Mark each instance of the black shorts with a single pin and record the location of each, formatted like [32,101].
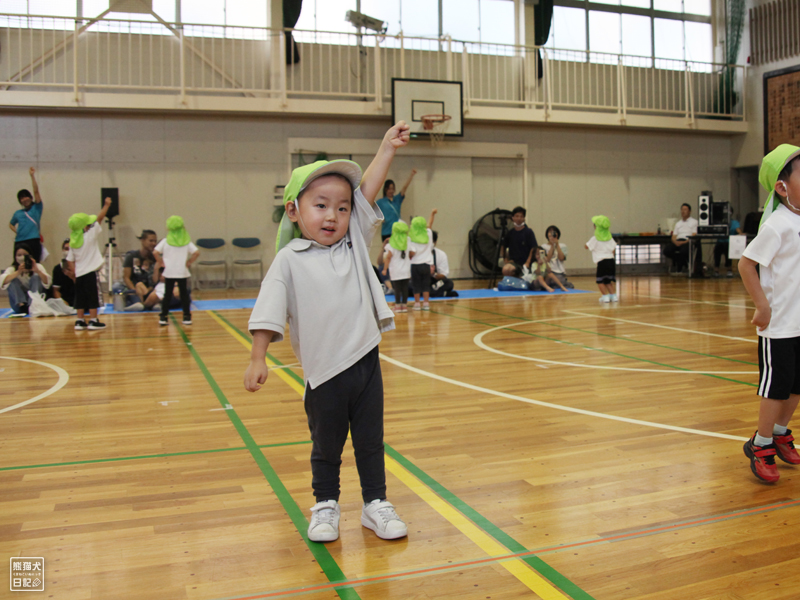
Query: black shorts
[87,292]
[606,271]
[421,278]
[778,367]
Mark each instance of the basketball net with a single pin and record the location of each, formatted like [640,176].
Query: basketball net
[436,126]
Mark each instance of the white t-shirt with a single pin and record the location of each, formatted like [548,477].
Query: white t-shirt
[87,258]
[442,264]
[556,265]
[325,294]
[777,249]
[601,250]
[24,279]
[423,252]
[175,258]
[399,267]
[683,229]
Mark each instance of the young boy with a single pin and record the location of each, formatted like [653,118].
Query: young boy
[85,260]
[175,254]
[603,249]
[776,295]
[324,284]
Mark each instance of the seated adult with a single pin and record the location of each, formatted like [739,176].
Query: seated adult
[519,245]
[678,248]
[26,221]
[721,248]
[63,285]
[137,274]
[441,285]
[556,254]
[23,276]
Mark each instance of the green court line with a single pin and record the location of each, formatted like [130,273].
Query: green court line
[544,337]
[319,551]
[485,524]
[143,456]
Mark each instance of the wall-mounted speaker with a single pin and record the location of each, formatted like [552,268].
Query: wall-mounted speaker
[112,193]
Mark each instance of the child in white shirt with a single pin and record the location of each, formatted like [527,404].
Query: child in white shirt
[420,249]
[603,249]
[398,264]
[175,254]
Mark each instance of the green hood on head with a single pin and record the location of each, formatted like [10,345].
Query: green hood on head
[301,178]
[176,232]
[76,224]
[601,228]
[399,239]
[771,167]
[419,230]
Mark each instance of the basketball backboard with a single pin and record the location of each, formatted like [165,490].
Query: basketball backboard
[414,98]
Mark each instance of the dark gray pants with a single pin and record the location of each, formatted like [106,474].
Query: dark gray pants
[353,400]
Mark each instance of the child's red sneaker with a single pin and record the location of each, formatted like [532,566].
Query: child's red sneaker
[762,461]
[784,447]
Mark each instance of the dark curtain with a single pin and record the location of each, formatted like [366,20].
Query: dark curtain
[291,13]
[542,19]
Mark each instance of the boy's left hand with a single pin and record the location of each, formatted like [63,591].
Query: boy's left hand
[398,136]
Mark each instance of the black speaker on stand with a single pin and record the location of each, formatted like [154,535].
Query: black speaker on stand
[113,211]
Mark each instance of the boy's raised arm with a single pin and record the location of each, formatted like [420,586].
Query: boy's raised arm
[376,172]
[102,214]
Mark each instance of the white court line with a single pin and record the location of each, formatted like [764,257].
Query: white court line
[579,411]
[63,378]
[8,312]
[684,300]
[478,341]
[693,331]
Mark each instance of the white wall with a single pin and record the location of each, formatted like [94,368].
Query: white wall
[219,172]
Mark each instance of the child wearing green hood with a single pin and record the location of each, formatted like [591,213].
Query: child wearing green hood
[603,249]
[398,264]
[85,260]
[420,249]
[322,282]
[175,254]
[775,290]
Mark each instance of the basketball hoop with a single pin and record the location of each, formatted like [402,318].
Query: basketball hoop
[436,126]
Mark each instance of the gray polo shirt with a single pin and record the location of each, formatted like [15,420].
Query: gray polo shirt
[336,312]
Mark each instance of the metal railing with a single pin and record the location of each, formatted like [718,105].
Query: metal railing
[112,55]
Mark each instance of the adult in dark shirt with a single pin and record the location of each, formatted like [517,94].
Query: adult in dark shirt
[63,285]
[137,273]
[519,245]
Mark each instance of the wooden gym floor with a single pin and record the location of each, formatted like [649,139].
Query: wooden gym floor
[538,447]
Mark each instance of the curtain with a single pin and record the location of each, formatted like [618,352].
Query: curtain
[291,14]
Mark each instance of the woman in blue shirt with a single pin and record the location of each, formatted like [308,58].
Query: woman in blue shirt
[390,205]
[26,221]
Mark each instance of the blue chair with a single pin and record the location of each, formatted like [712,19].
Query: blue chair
[246,244]
[211,244]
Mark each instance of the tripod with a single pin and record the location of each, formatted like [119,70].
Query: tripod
[109,255]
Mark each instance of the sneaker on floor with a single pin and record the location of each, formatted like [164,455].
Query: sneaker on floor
[187,321]
[762,461]
[95,325]
[135,307]
[81,325]
[417,306]
[605,299]
[784,448]
[614,298]
[426,306]
[324,525]
[379,515]
[163,321]
[730,273]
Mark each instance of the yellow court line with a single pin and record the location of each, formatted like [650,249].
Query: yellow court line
[480,538]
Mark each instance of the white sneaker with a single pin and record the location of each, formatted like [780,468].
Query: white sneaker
[605,299]
[324,526]
[135,307]
[614,298]
[379,515]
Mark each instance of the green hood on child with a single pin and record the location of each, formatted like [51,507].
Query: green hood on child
[601,228]
[399,239]
[771,167]
[419,230]
[76,224]
[176,232]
